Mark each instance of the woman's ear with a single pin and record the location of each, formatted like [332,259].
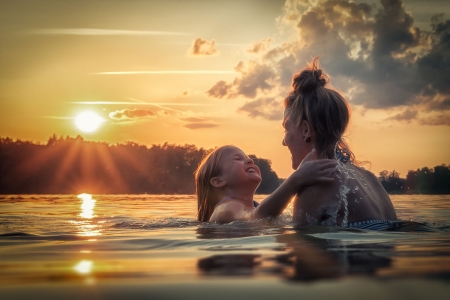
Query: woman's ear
[306,129]
[217,182]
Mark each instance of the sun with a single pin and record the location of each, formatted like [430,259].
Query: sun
[88,121]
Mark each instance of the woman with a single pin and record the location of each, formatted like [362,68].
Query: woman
[316,117]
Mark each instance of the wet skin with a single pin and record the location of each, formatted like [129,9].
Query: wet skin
[355,194]
[324,204]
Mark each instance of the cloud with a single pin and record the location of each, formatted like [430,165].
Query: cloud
[406,116]
[374,54]
[439,105]
[266,108]
[220,89]
[434,67]
[96,31]
[200,125]
[254,77]
[192,119]
[203,47]
[259,46]
[436,120]
[131,114]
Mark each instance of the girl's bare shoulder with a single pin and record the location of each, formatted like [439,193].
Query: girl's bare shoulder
[230,210]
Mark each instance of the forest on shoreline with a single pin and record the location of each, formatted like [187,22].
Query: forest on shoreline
[422,181]
[72,165]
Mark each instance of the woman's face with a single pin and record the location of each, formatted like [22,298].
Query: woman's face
[293,139]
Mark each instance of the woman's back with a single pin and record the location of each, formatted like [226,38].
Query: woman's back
[356,195]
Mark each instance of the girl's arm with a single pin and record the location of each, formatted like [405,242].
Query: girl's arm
[309,172]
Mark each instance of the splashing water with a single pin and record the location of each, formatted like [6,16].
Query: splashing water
[343,191]
[347,173]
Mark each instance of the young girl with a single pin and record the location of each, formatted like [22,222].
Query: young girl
[226,180]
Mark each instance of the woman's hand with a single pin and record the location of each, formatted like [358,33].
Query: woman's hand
[313,170]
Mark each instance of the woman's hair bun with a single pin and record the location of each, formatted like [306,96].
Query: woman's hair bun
[310,78]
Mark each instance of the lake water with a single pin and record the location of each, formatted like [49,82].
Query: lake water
[151,247]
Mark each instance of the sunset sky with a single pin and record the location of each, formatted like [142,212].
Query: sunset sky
[211,73]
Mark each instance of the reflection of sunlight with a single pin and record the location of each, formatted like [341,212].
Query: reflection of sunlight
[83,267]
[87,207]
[87,226]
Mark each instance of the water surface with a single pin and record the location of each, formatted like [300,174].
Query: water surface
[150,246]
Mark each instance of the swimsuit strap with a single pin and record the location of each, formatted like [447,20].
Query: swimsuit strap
[373,225]
[342,155]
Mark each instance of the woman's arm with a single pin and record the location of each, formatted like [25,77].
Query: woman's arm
[309,172]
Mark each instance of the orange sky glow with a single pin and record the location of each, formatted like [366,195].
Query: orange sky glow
[212,73]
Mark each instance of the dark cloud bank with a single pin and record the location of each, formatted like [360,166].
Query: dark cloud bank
[374,54]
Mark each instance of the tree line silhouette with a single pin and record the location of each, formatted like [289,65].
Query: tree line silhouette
[73,165]
[421,181]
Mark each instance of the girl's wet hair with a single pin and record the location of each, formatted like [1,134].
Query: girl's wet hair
[325,109]
[208,168]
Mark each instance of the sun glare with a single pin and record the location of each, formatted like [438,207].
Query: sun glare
[84,267]
[88,121]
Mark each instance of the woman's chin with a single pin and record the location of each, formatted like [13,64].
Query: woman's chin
[295,164]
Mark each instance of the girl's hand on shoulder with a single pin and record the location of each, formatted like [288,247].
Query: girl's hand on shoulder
[313,170]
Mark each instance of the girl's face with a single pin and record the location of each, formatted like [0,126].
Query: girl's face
[237,168]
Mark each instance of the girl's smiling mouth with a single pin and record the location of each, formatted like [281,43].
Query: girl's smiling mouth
[251,170]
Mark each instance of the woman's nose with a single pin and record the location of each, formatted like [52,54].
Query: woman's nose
[283,143]
[250,161]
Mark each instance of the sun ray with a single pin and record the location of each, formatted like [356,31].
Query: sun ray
[30,165]
[67,165]
[108,162]
[87,180]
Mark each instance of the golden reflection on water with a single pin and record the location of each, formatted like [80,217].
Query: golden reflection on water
[87,206]
[87,227]
[84,267]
